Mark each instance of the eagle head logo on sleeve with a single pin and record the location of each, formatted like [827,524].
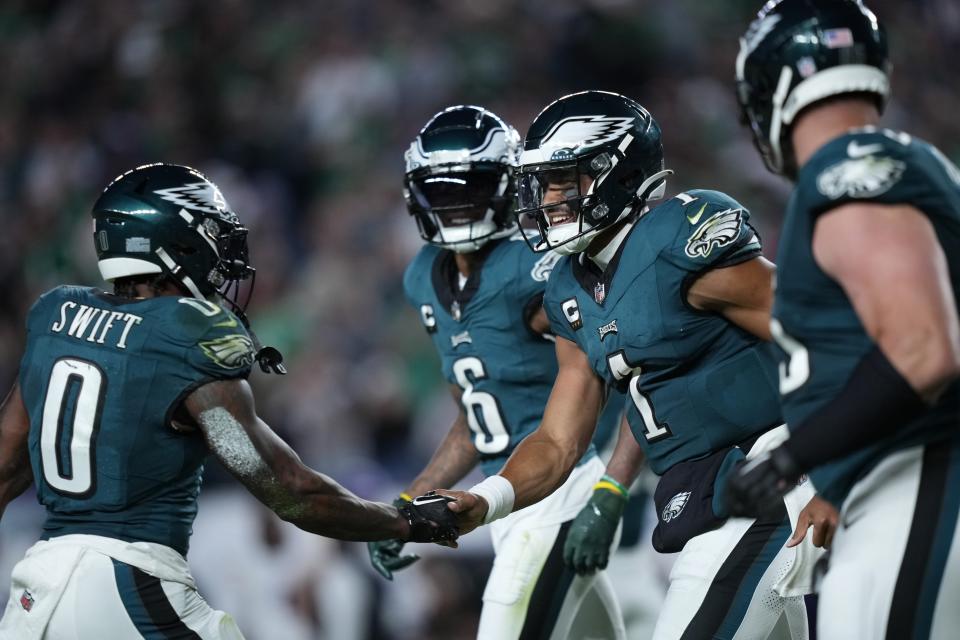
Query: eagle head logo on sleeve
[229,352]
[860,177]
[718,230]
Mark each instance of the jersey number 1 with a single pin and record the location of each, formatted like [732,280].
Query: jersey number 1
[482,409]
[71,417]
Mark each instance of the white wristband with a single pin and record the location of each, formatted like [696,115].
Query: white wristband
[498,492]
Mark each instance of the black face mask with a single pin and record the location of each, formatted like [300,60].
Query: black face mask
[457,198]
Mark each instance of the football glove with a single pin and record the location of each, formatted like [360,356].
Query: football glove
[430,520]
[756,487]
[385,554]
[587,548]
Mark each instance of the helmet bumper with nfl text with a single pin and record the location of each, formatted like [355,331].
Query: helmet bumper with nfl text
[799,52]
[459,184]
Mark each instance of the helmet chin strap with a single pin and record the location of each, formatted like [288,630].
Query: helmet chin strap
[652,188]
[176,272]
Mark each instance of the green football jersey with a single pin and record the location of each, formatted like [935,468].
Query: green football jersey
[695,383]
[482,335]
[100,378]
[821,337]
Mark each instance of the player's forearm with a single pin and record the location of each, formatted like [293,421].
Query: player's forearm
[13,482]
[455,457]
[15,473]
[627,459]
[320,505]
[538,466]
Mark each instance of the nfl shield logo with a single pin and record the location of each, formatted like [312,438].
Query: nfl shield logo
[599,292]
[26,600]
[455,310]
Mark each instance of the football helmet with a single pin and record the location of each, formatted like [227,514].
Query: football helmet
[170,219]
[459,178]
[798,52]
[589,160]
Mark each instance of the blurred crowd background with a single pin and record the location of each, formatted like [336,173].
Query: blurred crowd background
[301,113]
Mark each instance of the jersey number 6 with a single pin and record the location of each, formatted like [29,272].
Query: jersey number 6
[482,409]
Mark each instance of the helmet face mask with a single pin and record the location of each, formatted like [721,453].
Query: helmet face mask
[798,52]
[171,220]
[590,160]
[459,180]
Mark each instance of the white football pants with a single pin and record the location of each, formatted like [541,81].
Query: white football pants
[740,582]
[81,587]
[530,593]
[894,567]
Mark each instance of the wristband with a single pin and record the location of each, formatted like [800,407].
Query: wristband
[498,492]
[875,402]
[611,484]
[405,496]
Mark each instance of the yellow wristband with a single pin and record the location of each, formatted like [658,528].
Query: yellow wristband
[405,496]
[610,486]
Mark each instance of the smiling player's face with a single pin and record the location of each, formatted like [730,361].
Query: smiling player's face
[562,186]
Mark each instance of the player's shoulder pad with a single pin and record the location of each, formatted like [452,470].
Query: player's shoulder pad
[417,275]
[216,339]
[520,269]
[711,228]
[862,165]
[55,296]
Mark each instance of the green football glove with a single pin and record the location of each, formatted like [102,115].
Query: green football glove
[385,554]
[587,547]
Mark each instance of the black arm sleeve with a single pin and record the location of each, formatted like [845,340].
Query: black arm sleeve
[875,402]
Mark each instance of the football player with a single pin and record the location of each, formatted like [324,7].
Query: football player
[120,398]
[669,304]
[866,316]
[478,289]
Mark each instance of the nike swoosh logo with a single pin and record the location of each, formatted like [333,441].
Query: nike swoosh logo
[695,219]
[854,150]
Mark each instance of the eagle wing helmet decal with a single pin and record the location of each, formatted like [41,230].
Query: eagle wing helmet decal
[718,230]
[197,196]
[581,132]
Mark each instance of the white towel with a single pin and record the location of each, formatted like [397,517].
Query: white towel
[798,581]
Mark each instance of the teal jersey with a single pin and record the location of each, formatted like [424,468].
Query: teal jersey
[482,335]
[100,379]
[821,336]
[695,383]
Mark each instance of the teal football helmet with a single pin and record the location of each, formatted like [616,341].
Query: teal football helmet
[170,219]
[589,160]
[459,183]
[798,52]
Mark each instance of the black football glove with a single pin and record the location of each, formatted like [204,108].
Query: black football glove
[756,487]
[385,554]
[430,520]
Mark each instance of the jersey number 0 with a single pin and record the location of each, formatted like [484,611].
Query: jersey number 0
[71,417]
